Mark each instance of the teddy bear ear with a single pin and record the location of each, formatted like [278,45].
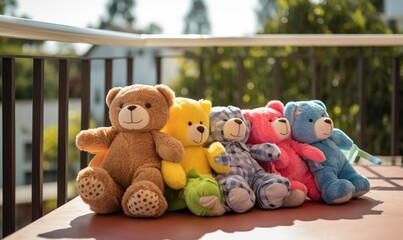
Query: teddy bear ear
[320,103]
[205,104]
[175,108]
[290,111]
[111,95]
[167,92]
[276,105]
[234,109]
[247,114]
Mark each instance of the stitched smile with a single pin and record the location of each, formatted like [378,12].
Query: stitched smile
[201,138]
[132,122]
[286,130]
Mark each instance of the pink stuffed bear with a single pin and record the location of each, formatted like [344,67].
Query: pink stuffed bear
[269,125]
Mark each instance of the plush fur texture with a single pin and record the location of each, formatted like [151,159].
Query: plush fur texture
[191,182]
[247,184]
[337,180]
[128,177]
[269,125]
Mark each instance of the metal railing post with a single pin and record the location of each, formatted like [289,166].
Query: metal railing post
[129,70]
[277,79]
[314,72]
[241,81]
[202,79]
[85,104]
[158,66]
[37,138]
[63,123]
[8,102]
[362,100]
[395,110]
[107,87]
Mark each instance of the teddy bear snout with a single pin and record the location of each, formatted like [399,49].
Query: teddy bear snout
[323,127]
[132,107]
[239,121]
[200,129]
[133,117]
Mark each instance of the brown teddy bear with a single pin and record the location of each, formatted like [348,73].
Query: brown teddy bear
[129,176]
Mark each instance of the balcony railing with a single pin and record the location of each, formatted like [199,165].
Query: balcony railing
[27,29]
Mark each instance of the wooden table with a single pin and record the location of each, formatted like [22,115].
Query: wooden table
[377,215]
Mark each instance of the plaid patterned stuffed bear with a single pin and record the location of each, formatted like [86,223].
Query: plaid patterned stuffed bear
[247,183]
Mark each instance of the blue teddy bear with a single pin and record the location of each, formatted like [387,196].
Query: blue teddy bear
[247,183]
[336,178]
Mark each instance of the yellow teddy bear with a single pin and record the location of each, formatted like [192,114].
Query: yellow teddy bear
[191,183]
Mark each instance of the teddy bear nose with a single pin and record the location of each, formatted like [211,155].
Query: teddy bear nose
[328,121]
[282,120]
[238,121]
[200,129]
[131,108]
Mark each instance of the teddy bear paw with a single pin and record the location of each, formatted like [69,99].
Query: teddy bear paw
[144,203]
[275,195]
[359,194]
[240,200]
[90,188]
[343,199]
[296,198]
[213,204]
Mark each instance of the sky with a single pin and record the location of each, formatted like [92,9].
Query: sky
[227,17]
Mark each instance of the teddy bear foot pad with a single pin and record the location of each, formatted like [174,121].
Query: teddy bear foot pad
[143,203]
[144,199]
[90,188]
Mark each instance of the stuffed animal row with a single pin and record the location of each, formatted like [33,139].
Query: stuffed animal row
[169,153]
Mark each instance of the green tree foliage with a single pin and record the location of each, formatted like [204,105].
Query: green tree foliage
[120,15]
[197,21]
[120,12]
[7,7]
[266,10]
[337,70]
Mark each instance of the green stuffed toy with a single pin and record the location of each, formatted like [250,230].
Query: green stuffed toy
[191,183]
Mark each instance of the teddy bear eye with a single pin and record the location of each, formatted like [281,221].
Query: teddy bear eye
[190,123]
[310,120]
[225,120]
[148,105]
[270,120]
[201,122]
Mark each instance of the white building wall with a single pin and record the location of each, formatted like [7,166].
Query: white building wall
[23,132]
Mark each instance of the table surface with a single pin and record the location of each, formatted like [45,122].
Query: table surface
[377,215]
